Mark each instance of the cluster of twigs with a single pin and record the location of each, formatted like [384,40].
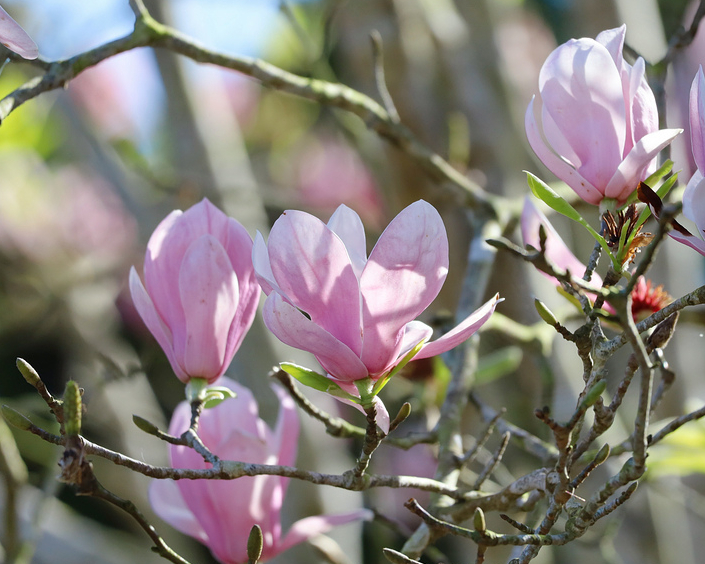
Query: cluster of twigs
[565,463]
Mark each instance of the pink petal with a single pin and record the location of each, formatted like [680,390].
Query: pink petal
[382,418]
[562,169]
[460,333]
[309,527]
[641,103]
[581,89]
[15,38]
[694,201]
[347,225]
[167,502]
[691,241]
[258,498]
[263,269]
[613,41]
[154,323]
[238,414]
[403,275]
[313,269]
[633,168]
[296,330]
[165,251]
[209,296]
[238,246]
[697,119]
[556,250]
[414,333]
[285,439]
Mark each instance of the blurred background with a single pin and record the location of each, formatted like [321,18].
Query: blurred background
[87,173]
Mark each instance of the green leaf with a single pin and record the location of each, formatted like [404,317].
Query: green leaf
[212,399]
[554,201]
[666,168]
[312,379]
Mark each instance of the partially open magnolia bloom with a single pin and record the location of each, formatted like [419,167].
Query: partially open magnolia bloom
[15,38]
[221,513]
[357,314]
[200,293]
[594,123]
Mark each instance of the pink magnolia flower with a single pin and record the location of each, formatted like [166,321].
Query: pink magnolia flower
[356,314]
[595,121]
[201,293]
[220,513]
[15,38]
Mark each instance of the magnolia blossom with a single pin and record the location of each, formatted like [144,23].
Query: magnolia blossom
[15,38]
[595,121]
[356,314]
[200,294]
[221,513]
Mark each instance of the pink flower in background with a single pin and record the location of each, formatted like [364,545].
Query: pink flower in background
[595,121]
[200,294]
[56,217]
[220,513]
[557,251]
[356,314]
[15,38]
[327,162]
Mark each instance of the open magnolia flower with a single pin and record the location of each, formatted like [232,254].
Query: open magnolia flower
[357,314]
[200,294]
[594,123]
[15,38]
[221,513]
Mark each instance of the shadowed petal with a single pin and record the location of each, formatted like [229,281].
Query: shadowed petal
[632,168]
[697,119]
[556,164]
[15,38]
[238,246]
[154,323]
[694,201]
[296,330]
[347,225]
[167,502]
[311,526]
[263,269]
